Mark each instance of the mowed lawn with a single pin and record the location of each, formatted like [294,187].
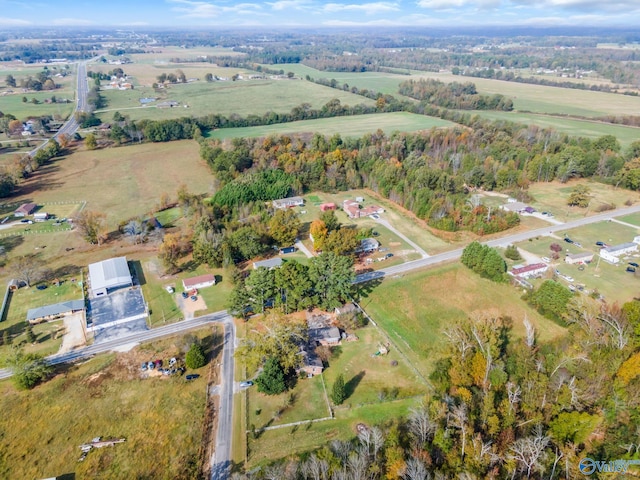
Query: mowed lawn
[243,97]
[552,197]
[579,128]
[120,182]
[416,308]
[352,126]
[160,418]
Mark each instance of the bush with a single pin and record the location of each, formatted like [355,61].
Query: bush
[272,379]
[512,253]
[195,357]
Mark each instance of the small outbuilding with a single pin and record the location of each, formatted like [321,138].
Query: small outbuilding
[41,217]
[201,281]
[325,207]
[269,263]
[25,209]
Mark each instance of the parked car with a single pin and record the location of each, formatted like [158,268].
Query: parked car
[546,259]
[246,383]
[24,220]
[169,289]
[172,361]
[143,367]
[374,233]
[375,216]
[185,295]
[631,269]
[568,278]
[577,244]
[600,244]
[194,298]
[568,240]
[634,264]
[158,363]
[192,376]
[41,287]
[388,255]
[151,365]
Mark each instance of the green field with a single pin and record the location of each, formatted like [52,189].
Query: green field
[552,197]
[243,97]
[582,128]
[161,419]
[633,219]
[352,126]
[415,308]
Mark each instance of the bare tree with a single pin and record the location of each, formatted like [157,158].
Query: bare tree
[90,225]
[416,470]
[616,325]
[420,425]
[315,468]
[458,419]
[513,394]
[377,441]
[530,337]
[529,451]
[27,268]
[274,472]
[358,464]
[341,450]
[135,230]
[459,339]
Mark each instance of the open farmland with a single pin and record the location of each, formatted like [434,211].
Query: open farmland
[352,126]
[160,418]
[243,97]
[579,128]
[413,309]
[121,182]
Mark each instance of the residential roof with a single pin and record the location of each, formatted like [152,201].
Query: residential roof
[56,309]
[369,244]
[193,281]
[515,206]
[26,208]
[622,246]
[529,268]
[580,255]
[269,263]
[324,333]
[346,308]
[110,273]
[288,201]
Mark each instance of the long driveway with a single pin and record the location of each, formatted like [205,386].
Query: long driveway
[416,247]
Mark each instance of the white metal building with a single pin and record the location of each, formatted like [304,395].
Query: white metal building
[109,275]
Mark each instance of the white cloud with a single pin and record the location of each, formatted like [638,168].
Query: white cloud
[444,4]
[14,22]
[368,8]
[290,4]
[71,22]
[198,9]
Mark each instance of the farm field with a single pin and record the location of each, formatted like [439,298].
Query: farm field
[414,309]
[579,128]
[352,126]
[243,97]
[106,397]
[552,197]
[139,173]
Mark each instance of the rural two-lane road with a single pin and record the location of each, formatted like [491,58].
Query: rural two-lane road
[503,241]
[71,125]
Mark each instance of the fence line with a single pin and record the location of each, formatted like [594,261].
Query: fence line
[5,301]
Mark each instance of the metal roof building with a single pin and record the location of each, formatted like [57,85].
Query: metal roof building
[270,263]
[109,275]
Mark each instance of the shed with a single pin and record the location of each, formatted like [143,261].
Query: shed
[582,257]
[41,216]
[25,209]
[201,281]
[109,275]
[325,207]
[286,250]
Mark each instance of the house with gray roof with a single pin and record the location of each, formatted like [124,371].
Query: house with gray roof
[55,311]
[269,263]
[109,275]
[612,254]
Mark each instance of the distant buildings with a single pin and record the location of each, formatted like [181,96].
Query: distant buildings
[354,209]
[288,202]
[584,257]
[25,209]
[529,271]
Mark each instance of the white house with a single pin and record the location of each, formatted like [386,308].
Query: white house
[583,257]
[529,271]
[201,281]
[611,254]
[288,202]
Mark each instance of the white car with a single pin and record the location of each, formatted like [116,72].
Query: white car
[546,259]
[375,216]
[169,289]
[569,279]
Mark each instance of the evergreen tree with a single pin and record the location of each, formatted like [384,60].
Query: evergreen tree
[338,393]
[272,379]
[31,337]
[195,357]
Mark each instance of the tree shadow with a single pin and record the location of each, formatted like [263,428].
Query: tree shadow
[11,242]
[351,385]
[63,271]
[363,290]
[212,345]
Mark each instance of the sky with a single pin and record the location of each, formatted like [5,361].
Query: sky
[335,13]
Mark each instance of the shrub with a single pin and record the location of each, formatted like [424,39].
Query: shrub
[195,357]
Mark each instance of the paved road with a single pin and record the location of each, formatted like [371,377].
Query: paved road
[70,127]
[139,337]
[221,460]
[499,242]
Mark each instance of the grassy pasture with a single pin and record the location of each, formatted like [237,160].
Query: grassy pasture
[552,197]
[138,173]
[414,309]
[352,126]
[243,97]
[634,219]
[583,128]
[161,419]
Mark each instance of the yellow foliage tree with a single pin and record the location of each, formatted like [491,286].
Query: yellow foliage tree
[478,367]
[318,231]
[630,369]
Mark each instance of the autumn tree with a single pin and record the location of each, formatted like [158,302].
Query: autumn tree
[173,247]
[90,141]
[318,231]
[90,224]
[579,196]
[284,227]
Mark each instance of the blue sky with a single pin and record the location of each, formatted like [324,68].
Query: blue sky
[228,13]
